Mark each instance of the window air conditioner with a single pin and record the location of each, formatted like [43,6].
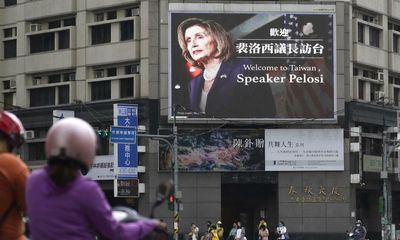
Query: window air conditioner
[13,84]
[135,69]
[379,95]
[380,76]
[36,27]
[36,81]
[99,73]
[135,12]
[29,134]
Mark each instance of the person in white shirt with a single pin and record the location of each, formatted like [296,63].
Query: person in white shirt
[282,231]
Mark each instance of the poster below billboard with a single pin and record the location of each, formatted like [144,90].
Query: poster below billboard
[102,168]
[252,66]
[216,150]
[304,150]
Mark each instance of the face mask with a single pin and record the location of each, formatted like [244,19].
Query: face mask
[358,225]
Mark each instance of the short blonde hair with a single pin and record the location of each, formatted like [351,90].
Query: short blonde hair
[225,48]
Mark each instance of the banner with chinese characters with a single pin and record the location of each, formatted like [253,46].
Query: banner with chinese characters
[267,66]
[216,150]
[304,150]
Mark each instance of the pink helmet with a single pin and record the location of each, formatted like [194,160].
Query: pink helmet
[72,138]
[12,127]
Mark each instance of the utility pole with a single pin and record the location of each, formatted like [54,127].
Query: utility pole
[389,146]
[176,168]
[174,148]
[386,185]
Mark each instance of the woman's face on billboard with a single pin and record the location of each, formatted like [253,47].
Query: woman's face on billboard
[200,44]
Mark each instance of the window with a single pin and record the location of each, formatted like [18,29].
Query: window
[42,96]
[101,34]
[396,40]
[361,89]
[111,72]
[69,22]
[101,90]
[367,18]
[10,3]
[36,151]
[374,88]
[99,73]
[56,78]
[6,84]
[126,30]
[42,42]
[10,48]
[396,98]
[63,94]
[63,39]
[111,15]
[10,32]
[8,101]
[374,36]
[370,74]
[69,77]
[55,24]
[360,33]
[355,71]
[99,17]
[126,87]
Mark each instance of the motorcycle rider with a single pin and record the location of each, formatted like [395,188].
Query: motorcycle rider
[13,175]
[61,203]
[359,231]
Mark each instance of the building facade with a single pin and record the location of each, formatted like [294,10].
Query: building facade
[84,56]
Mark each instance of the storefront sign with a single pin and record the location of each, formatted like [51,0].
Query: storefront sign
[315,194]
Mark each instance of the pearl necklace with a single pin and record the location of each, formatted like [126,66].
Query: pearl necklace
[206,78]
[213,74]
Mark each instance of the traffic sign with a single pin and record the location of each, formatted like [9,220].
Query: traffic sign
[123,135]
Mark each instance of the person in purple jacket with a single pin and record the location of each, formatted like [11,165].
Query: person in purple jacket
[61,203]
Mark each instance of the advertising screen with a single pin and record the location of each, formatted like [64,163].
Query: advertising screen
[252,66]
[304,150]
[221,150]
[217,150]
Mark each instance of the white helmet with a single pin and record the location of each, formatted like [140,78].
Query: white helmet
[73,139]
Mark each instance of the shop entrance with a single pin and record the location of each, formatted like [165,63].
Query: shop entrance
[247,203]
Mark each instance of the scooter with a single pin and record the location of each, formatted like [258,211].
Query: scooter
[126,215]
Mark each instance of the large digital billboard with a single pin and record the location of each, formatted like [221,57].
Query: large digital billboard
[252,66]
